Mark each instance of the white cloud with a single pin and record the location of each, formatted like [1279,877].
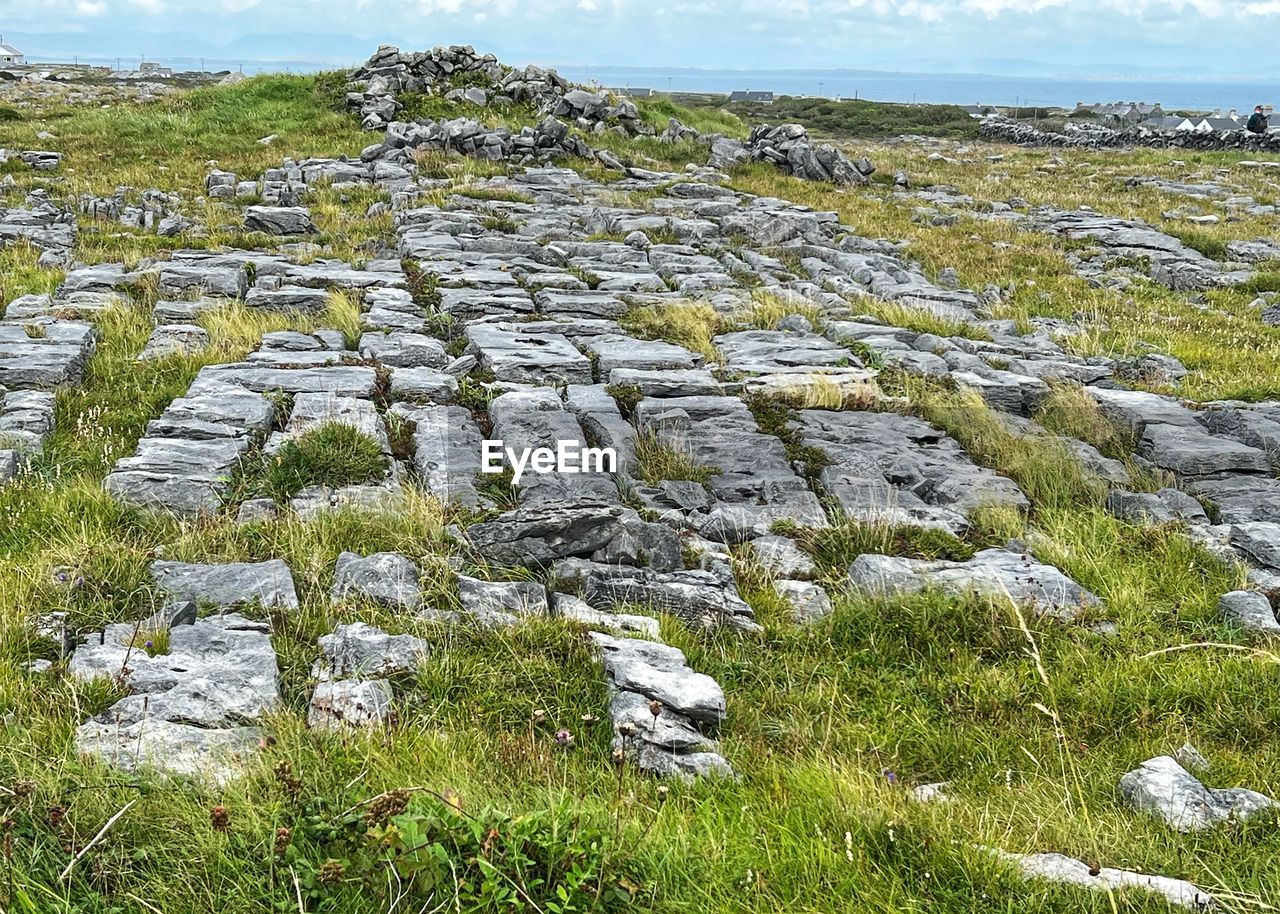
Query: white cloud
[91,7]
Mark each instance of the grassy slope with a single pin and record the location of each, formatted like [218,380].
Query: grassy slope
[1034,722]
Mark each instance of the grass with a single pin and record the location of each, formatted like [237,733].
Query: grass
[829,725]
[685,324]
[332,455]
[1207,244]
[858,119]
[703,118]
[658,461]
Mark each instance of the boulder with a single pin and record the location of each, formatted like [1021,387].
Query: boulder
[1249,610]
[1163,788]
[992,572]
[362,650]
[386,578]
[279,220]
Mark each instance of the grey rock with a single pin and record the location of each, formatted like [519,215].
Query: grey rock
[185,709]
[782,558]
[279,220]
[566,606]
[386,578]
[1059,868]
[698,597]
[265,584]
[1162,507]
[1249,610]
[349,704]
[993,572]
[547,530]
[499,600]
[659,672]
[1163,788]
[808,602]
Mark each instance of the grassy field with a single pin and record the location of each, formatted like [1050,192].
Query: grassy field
[859,119]
[829,725]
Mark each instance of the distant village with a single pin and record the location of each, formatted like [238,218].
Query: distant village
[15,66]
[1154,117]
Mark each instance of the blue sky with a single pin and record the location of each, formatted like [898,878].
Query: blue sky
[1194,38]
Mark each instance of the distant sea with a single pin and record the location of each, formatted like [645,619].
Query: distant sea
[950,88]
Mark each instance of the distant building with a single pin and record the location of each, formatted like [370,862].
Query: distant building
[1218,125]
[154,69]
[762,97]
[1170,123]
[10,56]
[1123,112]
[977,110]
[632,92]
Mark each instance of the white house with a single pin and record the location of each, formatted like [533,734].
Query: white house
[9,55]
[1170,123]
[1218,125]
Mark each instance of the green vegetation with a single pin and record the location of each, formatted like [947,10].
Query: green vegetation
[471,799]
[1206,244]
[701,117]
[659,461]
[689,325]
[855,119]
[332,455]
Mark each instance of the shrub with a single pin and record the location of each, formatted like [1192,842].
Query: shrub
[546,860]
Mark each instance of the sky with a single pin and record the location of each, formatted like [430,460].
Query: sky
[1198,39]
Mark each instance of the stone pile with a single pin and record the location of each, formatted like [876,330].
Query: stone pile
[155,211]
[789,148]
[45,225]
[786,146]
[459,74]
[285,186]
[38,159]
[549,139]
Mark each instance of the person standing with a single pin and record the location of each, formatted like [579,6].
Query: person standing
[1257,121]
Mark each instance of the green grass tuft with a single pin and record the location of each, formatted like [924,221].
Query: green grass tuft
[332,455]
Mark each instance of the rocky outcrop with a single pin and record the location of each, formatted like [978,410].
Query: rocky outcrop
[662,710]
[1066,870]
[789,148]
